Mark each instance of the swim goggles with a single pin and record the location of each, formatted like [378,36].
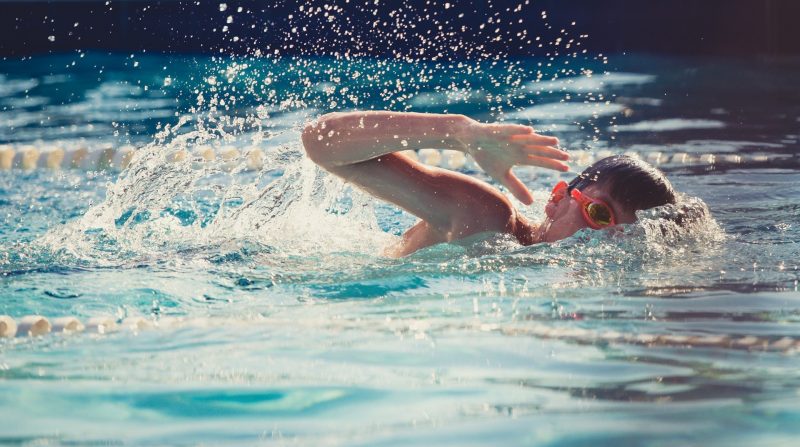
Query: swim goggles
[596,213]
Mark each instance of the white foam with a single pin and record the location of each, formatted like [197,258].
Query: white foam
[594,83]
[443,98]
[566,111]
[670,124]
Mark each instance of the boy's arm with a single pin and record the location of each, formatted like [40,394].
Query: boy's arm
[360,147]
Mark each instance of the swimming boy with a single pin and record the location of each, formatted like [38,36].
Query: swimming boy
[363,149]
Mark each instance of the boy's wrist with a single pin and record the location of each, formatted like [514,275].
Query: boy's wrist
[460,132]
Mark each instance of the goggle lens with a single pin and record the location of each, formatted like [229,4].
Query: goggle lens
[599,213]
[596,212]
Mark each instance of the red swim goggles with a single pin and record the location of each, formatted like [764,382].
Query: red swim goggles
[596,213]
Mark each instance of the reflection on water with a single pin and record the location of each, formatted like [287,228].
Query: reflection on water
[269,314]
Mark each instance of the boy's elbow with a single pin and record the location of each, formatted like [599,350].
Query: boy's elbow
[315,138]
[311,142]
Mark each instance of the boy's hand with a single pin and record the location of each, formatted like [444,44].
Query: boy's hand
[499,147]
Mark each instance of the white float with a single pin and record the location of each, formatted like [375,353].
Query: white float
[122,158]
[205,152]
[101,325]
[8,327]
[33,325]
[67,325]
[74,157]
[254,158]
[26,158]
[410,154]
[431,157]
[454,159]
[6,157]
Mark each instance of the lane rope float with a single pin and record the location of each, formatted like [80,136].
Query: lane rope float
[39,326]
[28,157]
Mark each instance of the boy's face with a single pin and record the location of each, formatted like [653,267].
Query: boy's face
[565,216]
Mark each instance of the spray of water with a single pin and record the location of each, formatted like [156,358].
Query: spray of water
[173,204]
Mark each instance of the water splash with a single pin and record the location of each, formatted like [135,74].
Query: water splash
[159,209]
[174,205]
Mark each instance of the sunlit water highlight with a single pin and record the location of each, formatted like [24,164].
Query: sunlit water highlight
[275,318]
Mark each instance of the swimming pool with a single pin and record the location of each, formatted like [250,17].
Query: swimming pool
[253,306]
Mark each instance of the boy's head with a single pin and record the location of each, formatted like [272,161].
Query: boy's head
[606,193]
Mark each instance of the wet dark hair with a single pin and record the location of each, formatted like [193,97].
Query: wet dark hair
[631,182]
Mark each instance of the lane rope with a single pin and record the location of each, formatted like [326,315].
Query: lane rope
[28,157]
[39,326]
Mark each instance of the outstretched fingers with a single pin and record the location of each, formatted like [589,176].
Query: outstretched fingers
[546,151]
[511,130]
[549,163]
[534,139]
[517,188]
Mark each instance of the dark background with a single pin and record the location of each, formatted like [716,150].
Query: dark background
[697,27]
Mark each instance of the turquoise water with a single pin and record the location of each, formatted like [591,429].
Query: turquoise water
[272,318]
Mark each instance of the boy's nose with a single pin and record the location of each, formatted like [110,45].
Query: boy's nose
[550,209]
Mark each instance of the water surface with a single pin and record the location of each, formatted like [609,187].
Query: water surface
[275,319]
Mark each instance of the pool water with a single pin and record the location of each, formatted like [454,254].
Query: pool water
[266,313]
